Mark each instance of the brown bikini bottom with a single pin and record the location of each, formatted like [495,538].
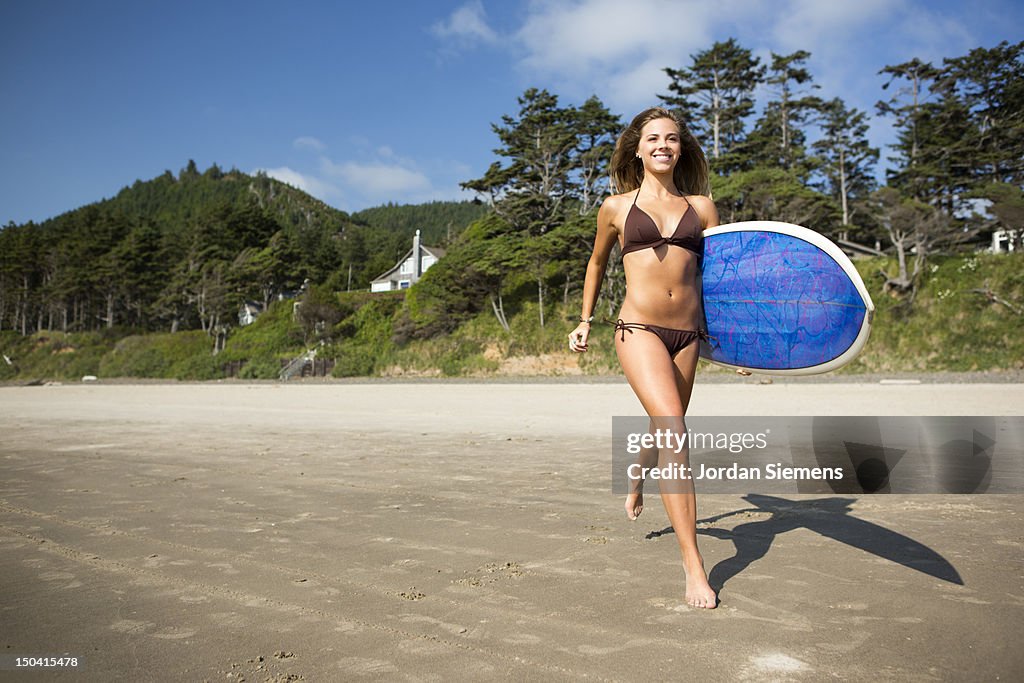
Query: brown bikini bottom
[674,340]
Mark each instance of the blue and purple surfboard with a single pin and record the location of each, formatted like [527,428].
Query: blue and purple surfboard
[780,299]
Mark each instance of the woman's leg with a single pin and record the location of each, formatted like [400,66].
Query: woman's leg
[663,387]
[682,505]
[646,363]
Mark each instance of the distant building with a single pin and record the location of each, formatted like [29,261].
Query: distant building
[247,313]
[409,268]
[250,310]
[1003,241]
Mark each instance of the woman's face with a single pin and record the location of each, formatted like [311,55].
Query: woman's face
[660,145]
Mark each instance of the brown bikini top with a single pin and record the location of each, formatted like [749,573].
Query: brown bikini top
[641,232]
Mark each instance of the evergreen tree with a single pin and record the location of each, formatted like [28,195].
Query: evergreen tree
[716,94]
[990,86]
[778,138]
[533,193]
[766,193]
[942,171]
[848,157]
[530,193]
[596,130]
[905,106]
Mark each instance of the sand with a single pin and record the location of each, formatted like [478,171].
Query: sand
[431,531]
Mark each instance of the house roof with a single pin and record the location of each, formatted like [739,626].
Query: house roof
[436,252]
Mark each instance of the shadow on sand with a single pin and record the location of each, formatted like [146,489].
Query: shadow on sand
[829,517]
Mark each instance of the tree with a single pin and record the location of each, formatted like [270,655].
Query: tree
[906,107]
[787,73]
[915,230]
[847,155]
[722,80]
[265,270]
[778,137]
[989,84]
[766,193]
[942,173]
[596,130]
[471,276]
[140,272]
[531,194]
[317,313]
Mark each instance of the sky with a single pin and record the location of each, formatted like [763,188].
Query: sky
[364,103]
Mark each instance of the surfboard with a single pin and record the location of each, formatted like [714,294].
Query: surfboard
[781,299]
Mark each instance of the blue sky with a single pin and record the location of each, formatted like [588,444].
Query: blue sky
[361,103]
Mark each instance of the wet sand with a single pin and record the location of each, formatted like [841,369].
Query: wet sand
[430,531]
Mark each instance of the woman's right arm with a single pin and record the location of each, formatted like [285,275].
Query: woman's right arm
[607,236]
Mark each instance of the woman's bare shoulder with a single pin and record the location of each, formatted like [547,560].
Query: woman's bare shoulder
[613,207]
[615,201]
[705,208]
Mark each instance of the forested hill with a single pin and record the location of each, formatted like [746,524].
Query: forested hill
[183,251]
[170,201]
[438,222]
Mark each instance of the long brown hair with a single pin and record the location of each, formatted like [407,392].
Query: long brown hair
[627,171]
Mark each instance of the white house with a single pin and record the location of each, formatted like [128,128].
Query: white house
[248,312]
[1003,240]
[409,268]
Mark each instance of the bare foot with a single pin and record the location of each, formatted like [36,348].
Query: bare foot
[698,591]
[634,505]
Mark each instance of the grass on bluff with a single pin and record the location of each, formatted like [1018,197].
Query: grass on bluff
[165,356]
[55,355]
[950,325]
[273,337]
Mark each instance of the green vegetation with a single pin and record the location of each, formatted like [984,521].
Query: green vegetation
[182,253]
[365,345]
[967,316]
[275,336]
[163,355]
[439,223]
[54,355]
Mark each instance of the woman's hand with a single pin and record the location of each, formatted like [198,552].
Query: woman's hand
[578,338]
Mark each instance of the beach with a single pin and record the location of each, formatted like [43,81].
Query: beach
[467,530]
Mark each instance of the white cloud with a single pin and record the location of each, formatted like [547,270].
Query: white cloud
[818,26]
[930,36]
[307,183]
[564,36]
[371,174]
[616,50]
[306,142]
[352,185]
[376,179]
[467,25]
[619,51]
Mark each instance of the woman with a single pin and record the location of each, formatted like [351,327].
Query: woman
[658,221]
